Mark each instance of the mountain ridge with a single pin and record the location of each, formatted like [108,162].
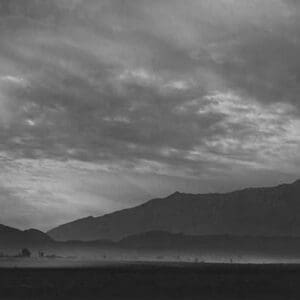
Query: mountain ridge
[263,211]
[10,236]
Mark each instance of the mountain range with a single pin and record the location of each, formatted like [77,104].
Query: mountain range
[12,237]
[153,242]
[267,212]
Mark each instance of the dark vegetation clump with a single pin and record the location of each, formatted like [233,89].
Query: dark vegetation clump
[25,253]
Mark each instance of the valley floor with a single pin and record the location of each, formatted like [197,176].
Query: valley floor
[153,281]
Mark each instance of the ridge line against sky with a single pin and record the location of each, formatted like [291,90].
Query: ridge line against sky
[105,104]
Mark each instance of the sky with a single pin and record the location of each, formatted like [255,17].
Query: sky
[105,104]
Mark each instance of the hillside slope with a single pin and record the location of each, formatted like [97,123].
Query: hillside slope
[12,237]
[271,211]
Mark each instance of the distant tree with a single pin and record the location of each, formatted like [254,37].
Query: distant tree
[25,252]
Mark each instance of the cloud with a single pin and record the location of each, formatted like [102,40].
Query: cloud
[137,70]
[249,133]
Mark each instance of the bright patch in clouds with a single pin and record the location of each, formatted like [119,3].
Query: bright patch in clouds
[255,134]
[14,80]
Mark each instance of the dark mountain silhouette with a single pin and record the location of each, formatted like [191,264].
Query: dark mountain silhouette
[155,243]
[270,211]
[11,237]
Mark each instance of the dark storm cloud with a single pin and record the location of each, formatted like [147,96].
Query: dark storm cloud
[102,75]
[265,66]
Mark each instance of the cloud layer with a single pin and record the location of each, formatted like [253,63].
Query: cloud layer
[194,92]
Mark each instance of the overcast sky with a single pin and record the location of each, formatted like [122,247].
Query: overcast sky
[105,104]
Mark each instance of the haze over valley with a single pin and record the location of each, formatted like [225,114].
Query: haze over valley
[257,225]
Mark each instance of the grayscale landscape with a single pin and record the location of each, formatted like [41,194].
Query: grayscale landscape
[149,149]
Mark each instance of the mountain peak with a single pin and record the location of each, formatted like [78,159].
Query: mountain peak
[175,194]
[297,182]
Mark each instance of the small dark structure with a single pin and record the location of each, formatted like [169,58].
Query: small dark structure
[41,254]
[25,253]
